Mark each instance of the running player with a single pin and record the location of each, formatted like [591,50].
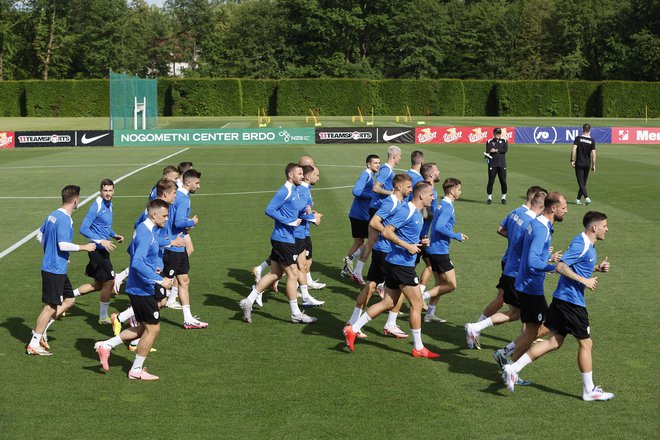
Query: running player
[416,162]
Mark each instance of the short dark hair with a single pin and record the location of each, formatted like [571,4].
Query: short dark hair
[498,130]
[372,157]
[551,200]
[592,217]
[421,187]
[163,186]
[184,166]
[426,169]
[533,190]
[538,199]
[106,182]
[307,169]
[449,183]
[155,204]
[289,168]
[191,174]
[586,127]
[170,169]
[399,178]
[69,193]
[416,157]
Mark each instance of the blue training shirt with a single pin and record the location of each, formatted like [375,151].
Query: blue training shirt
[57,228]
[362,195]
[516,236]
[416,178]
[534,257]
[407,223]
[508,222]
[581,258]
[431,212]
[305,194]
[442,228]
[386,211]
[385,177]
[284,208]
[97,224]
[179,220]
[144,260]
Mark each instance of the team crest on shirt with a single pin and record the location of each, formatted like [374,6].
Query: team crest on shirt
[156,315]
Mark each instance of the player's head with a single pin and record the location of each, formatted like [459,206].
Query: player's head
[294,173]
[71,194]
[394,154]
[452,187]
[555,205]
[306,160]
[171,172]
[166,190]
[497,132]
[403,184]
[537,204]
[191,180]
[596,223]
[373,162]
[533,190]
[586,128]
[430,172]
[107,189]
[183,167]
[311,174]
[157,211]
[423,191]
[417,158]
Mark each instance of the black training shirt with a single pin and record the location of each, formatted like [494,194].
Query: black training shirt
[498,159]
[585,145]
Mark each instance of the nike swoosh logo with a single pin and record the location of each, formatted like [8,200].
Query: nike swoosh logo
[85,140]
[387,138]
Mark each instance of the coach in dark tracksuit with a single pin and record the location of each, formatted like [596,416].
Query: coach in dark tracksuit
[583,157]
[496,148]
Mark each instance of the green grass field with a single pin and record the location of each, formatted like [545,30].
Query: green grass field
[274,379]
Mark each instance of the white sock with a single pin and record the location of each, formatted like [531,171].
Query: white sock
[587,382]
[76,292]
[138,362]
[426,296]
[482,317]
[490,197]
[304,291]
[363,320]
[252,297]
[356,314]
[36,337]
[309,278]
[503,196]
[123,273]
[431,309]
[521,363]
[478,326]
[295,310]
[356,254]
[391,319]
[263,266]
[509,349]
[126,315]
[113,342]
[173,295]
[417,338]
[103,309]
[187,315]
[359,266]
[50,322]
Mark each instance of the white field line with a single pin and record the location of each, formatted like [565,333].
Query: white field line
[28,237]
[205,164]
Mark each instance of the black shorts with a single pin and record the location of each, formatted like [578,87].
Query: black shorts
[422,254]
[441,263]
[400,275]
[100,266]
[308,246]
[533,308]
[175,263]
[54,288]
[359,228]
[372,212]
[567,318]
[510,294]
[378,267]
[300,246]
[145,308]
[283,253]
[161,292]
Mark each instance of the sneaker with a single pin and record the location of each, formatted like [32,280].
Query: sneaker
[132,347]
[315,285]
[522,382]
[195,323]
[357,277]
[597,394]
[345,272]
[394,330]
[470,335]
[303,319]
[430,317]
[586,202]
[424,353]
[116,325]
[310,301]
[380,289]
[509,377]
[578,202]
[105,320]
[39,351]
[500,358]
[247,310]
[256,271]
[361,335]
[260,299]
[350,336]
[274,285]
[44,341]
[489,201]
[504,201]
[119,278]
[175,305]
[104,354]
[141,374]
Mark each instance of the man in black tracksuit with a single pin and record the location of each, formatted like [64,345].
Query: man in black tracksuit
[583,157]
[496,148]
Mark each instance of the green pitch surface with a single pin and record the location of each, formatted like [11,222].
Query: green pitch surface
[275,379]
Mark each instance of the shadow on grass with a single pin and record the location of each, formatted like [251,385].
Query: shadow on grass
[86,348]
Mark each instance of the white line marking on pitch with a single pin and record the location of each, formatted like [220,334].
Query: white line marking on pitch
[88,199]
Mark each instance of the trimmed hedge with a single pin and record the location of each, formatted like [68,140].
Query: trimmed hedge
[628,100]
[206,97]
[479,98]
[12,98]
[442,97]
[532,98]
[585,98]
[329,96]
[258,93]
[67,98]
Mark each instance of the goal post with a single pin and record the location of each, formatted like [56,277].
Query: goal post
[133,102]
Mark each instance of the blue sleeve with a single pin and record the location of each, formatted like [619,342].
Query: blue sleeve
[181,220]
[139,261]
[573,253]
[63,231]
[382,177]
[399,219]
[86,225]
[538,256]
[272,210]
[360,185]
[442,224]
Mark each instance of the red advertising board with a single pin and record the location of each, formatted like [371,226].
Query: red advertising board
[460,135]
[7,139]
[636,135]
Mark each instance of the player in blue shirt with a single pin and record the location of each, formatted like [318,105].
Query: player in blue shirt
[416,162]
[568,311]
[170,172]
[359,212]
[533,267]
[285,209]
[144,283]
[442,232]
[403,232]
[431,175]
[402,184]
[55,236]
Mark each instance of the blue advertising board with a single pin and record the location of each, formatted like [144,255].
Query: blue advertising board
[559,135]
